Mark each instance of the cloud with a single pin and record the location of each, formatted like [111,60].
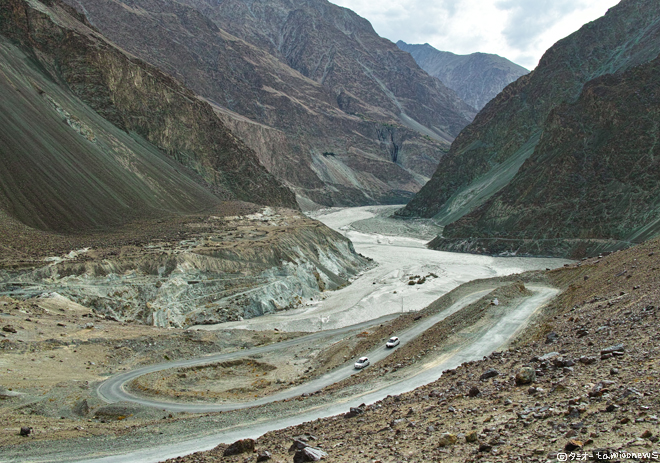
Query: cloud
[520,30]
[528,20]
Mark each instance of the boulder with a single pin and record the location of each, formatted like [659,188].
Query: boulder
[447,439]
[548,356]
[354,411]
[483,447]
[308,454]
[298,444]
[490,373]
[240,446]
[573,445]
[616,349]
[526,375]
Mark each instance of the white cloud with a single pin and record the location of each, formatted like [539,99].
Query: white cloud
[520,30]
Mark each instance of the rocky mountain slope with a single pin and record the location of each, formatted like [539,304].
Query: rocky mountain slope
[122,189]
[477,78]
[342,116]
[199,269]
[577,125]
[93,138]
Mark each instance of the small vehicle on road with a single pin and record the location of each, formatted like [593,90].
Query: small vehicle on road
[361,363]
[393,342]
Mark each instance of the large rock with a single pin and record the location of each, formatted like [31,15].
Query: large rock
[308,454]
[526,375]
[354,411]
[239,447]
[490,373]
[446,439]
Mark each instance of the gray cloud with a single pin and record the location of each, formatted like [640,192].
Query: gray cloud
[520,30]
[529,19]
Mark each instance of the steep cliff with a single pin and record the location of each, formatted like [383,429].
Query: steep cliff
[548,123]
[90,137]
[476,78]
[342,116]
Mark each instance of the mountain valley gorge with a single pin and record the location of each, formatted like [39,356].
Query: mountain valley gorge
[211,209]
[340,115]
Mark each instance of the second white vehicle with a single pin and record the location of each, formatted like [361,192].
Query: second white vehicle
[393,342]
[361,363]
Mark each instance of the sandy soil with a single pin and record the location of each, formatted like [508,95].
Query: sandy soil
[61,350]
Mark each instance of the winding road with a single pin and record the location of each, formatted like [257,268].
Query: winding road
[482,343]
[114,389]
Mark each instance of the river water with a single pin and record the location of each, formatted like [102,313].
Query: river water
[399,250]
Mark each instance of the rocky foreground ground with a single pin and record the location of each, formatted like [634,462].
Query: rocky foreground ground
[579,384]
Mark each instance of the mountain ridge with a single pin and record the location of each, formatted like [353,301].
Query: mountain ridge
[90,136]
[477,78]
[347,133]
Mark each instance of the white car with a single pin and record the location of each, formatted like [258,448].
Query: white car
[393,342]
[361,363]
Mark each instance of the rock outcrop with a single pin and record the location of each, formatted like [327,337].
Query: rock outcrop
[477,78]
[563,161]
[222,269]
[340,115]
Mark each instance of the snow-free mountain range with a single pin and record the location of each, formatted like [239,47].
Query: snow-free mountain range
[177,105]
[477,78]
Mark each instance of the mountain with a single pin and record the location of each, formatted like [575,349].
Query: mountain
[564,160]
[340,115]
[476,78]
[123,190]
[92,137]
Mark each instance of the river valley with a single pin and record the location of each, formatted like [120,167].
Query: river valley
[311,375]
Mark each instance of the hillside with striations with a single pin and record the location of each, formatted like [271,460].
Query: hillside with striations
[93,138]
[477,78]
[340,115]
[563,161]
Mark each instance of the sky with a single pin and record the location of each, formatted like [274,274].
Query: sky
[519,30]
